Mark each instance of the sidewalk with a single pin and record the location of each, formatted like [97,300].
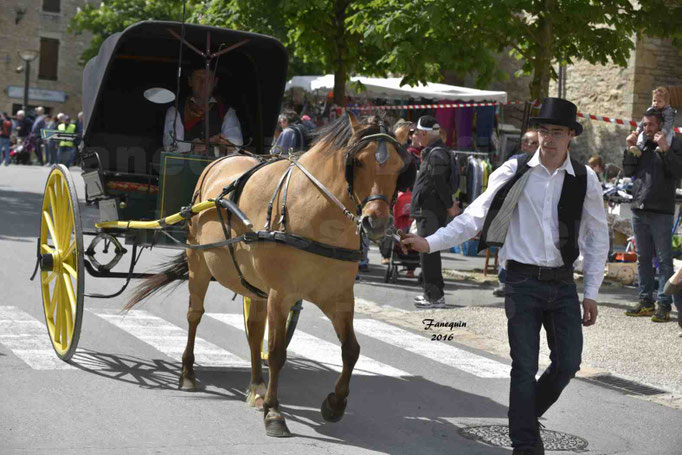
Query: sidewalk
[637,349]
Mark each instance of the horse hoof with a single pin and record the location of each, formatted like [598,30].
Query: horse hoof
[276,426]
[329,413]
[188,384]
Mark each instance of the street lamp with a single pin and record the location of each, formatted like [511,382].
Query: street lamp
[27,56]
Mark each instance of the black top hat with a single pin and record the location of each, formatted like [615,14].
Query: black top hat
[558,111]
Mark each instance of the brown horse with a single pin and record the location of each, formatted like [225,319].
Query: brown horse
[349,157]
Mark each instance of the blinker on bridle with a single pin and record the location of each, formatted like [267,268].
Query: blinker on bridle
[381,155]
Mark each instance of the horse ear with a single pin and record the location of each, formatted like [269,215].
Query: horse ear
[354,123]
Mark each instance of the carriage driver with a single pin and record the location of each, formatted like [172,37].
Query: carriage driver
[224,127]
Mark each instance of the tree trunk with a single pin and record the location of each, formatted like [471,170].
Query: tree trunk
[340,71]
[542,62]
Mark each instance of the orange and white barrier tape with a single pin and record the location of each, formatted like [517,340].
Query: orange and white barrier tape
[617,121]
[429,106]
[601,118]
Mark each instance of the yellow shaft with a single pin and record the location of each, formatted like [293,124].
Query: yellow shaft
[156,224]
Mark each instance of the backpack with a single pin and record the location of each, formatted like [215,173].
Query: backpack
[454,169]
[6,128]
[303,136]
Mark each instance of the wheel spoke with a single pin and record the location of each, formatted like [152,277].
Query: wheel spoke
[48,279]
[70,269]
[67,224]
[53,203]
[50,227]
[69,250]
[69,310]
[59,320]
[53,301]
[45,248]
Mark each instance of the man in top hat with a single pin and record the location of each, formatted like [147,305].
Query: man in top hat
[546,209]
[224,129]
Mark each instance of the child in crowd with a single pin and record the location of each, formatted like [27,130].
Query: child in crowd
[660,102]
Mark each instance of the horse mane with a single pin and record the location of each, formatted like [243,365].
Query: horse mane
[339,135]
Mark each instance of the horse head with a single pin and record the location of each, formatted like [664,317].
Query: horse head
[377,167]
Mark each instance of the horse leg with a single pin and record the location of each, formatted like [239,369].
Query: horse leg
[334,406]
[275,424]
[256,326]
[199,279]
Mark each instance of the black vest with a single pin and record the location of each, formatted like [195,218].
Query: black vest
[215,122]
[570,208]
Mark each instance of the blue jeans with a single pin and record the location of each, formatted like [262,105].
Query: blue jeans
[501,274]
[364,246]
[653,232]
[66,155]
[4,150]
[530,304]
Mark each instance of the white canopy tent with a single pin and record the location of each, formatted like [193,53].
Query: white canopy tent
[390,88]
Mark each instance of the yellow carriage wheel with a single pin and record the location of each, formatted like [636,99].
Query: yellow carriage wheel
[61,262]
[292,320]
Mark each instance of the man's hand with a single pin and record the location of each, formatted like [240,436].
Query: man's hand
[631,139]
[589,312]
[659,138]
[455,209]
[415,243]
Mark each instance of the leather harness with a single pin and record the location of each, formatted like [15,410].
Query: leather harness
[234,191]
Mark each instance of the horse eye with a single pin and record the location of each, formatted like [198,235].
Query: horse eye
[357,162]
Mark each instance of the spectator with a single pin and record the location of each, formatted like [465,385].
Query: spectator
[437,181]
[529,145]
[36,139]
[661,103]
[655,176]
[596,162]
[295,137]
[403,131]
[67,149]
[52,123]
[538,253]
[5,137]
[23,125]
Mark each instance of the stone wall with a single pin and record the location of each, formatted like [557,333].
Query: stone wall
[34,24]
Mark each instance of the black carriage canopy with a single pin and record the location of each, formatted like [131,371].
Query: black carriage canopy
[118,119]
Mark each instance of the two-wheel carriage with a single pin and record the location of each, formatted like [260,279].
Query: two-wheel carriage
[128,174]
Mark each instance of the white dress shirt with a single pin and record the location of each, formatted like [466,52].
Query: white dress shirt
[231,129]
[533,235]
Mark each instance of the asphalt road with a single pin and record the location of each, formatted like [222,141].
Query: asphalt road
[119,395]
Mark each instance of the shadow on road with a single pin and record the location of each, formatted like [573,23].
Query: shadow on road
[20,214]
[384,414]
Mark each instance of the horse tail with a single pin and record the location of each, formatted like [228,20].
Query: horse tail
[175,270]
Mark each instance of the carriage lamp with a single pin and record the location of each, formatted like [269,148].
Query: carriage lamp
[27,56]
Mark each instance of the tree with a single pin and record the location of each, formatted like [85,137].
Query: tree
[540,32]
[113,16]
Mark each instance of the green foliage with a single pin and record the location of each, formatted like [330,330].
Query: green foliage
[113,16]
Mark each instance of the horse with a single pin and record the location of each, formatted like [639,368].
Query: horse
[360,165]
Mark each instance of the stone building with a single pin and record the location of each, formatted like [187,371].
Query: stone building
[55,75]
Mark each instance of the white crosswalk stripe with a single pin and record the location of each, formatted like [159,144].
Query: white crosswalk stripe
[449,355]
[320,351]
[28,339]
[169,338]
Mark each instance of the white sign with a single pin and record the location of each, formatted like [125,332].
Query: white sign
[37,94]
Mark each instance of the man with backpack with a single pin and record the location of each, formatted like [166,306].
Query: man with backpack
[296,135]
[5,134]
[437,181]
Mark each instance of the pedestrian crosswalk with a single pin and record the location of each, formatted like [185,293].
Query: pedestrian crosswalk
[27,339]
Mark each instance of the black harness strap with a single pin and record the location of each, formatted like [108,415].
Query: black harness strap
[283,217]
[274,196]
[305,244]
